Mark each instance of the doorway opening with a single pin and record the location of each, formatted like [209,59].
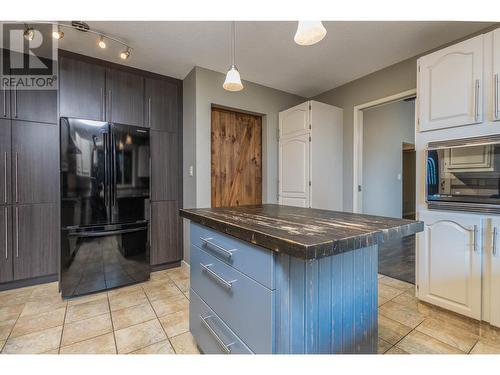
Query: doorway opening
[236,158]
[385,174]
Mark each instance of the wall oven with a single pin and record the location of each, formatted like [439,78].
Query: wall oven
[464,174]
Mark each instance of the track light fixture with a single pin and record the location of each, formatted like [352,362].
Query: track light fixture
[101,43]
[29,33]
[124,55]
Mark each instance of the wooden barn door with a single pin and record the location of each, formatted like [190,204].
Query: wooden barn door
[236,158]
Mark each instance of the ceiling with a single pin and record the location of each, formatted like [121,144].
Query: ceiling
[265,51]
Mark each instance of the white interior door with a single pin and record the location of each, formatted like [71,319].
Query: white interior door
[450,86]
[449,252]
[294,168]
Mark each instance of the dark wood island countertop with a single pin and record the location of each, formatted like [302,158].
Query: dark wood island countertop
[304,233]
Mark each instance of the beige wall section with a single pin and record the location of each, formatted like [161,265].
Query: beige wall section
[202,88]
[388,81]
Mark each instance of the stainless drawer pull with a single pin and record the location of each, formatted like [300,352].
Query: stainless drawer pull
[494,249]
[220,249]
[220,279]
[224,346]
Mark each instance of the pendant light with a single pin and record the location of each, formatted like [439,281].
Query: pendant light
[233,80]
[309,33]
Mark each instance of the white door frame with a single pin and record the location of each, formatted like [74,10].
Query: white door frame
[357,147]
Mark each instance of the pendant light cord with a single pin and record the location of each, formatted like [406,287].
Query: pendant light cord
[234,42]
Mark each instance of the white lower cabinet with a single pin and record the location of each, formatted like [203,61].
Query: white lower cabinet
[449,261]
[491,271]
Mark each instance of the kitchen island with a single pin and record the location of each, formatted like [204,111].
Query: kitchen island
[282,279]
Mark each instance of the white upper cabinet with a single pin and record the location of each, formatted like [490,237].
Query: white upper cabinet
[294,120]
[450,86]
[449,262]
[496,75]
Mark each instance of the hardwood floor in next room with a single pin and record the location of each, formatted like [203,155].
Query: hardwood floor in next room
[152,318]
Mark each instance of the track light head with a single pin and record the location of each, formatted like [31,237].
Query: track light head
[29,33]
[124,55]
[101,42]
[58,35]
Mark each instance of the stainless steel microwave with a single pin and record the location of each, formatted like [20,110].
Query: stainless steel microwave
[464,174]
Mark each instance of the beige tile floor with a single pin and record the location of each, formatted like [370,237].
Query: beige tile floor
[152,318]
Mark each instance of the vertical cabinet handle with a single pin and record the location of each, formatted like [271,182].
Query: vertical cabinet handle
[4,101]
[17,232]
[6,233]
[149,112]
[15,102]
[102,104]
[496,97]
[494,245]
[476,100]
[474,233]
[5,177]
[109,106]
[17,168]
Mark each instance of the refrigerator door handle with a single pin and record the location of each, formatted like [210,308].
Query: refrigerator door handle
[106,232]
[105,187]
[113,140]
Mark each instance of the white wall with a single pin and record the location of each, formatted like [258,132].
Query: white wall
[202,88]
[385,128]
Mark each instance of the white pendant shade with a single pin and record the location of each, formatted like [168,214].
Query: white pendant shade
[309,33]
[233,80]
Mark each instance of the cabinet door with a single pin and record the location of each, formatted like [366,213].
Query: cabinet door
[5,106]
[34,105]
[81,86]
[5,244]
[496,75]
[35,242]
[5,161]
[165,228]
[450,86]
[164,166]
[492,271]
[162,105]
[35,154]
[449,262]
[294,166]
[125,97]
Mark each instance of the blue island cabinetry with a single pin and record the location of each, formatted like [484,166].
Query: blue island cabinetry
[249,299]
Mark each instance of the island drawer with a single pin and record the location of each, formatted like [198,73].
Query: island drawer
[210,332]
[243,304]
[253,261]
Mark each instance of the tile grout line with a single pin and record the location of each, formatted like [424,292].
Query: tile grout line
[112,325]
[62,330]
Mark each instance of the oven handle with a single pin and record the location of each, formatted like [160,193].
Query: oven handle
[106,233]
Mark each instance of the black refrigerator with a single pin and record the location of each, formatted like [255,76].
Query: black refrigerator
[105,178]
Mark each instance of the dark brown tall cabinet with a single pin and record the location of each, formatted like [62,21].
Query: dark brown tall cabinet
[162,114]
[29,185]
[98,90]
